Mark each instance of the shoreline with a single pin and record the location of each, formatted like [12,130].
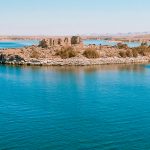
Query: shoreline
[78,61]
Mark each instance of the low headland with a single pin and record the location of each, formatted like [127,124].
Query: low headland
[70,51]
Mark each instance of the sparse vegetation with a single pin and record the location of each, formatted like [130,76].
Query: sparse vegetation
[122,54]
[135,53]
[142,50]
[129,53]
[67,52]
[122,46]
[91,53]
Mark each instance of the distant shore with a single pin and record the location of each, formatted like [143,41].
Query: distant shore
[132,37]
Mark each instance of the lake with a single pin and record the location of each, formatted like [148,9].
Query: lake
[23,43]
[110,43]
[17,43]
[75,108]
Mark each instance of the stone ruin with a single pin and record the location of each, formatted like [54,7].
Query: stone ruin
[65,41]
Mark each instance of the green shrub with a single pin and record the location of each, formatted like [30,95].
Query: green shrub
[91,53]
[66,52]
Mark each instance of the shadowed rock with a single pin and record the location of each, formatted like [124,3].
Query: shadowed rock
[10,58]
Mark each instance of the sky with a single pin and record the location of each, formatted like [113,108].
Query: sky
[70,17]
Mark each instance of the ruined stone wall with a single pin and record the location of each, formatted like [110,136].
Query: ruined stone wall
[67,41]
[75,40]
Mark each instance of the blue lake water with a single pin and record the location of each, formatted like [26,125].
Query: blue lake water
[23,43]
[75,108]
[110,43]
[17,43]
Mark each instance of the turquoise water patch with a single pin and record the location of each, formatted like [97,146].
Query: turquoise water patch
[17,43]
[99,42]
[110,43]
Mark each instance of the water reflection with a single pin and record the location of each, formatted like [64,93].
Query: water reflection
[85,69]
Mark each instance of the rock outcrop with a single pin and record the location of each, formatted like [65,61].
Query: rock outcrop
[10,58]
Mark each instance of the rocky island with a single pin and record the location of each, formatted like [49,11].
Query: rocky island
[71,51]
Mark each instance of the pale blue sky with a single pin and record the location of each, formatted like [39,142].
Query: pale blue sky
[64,17]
